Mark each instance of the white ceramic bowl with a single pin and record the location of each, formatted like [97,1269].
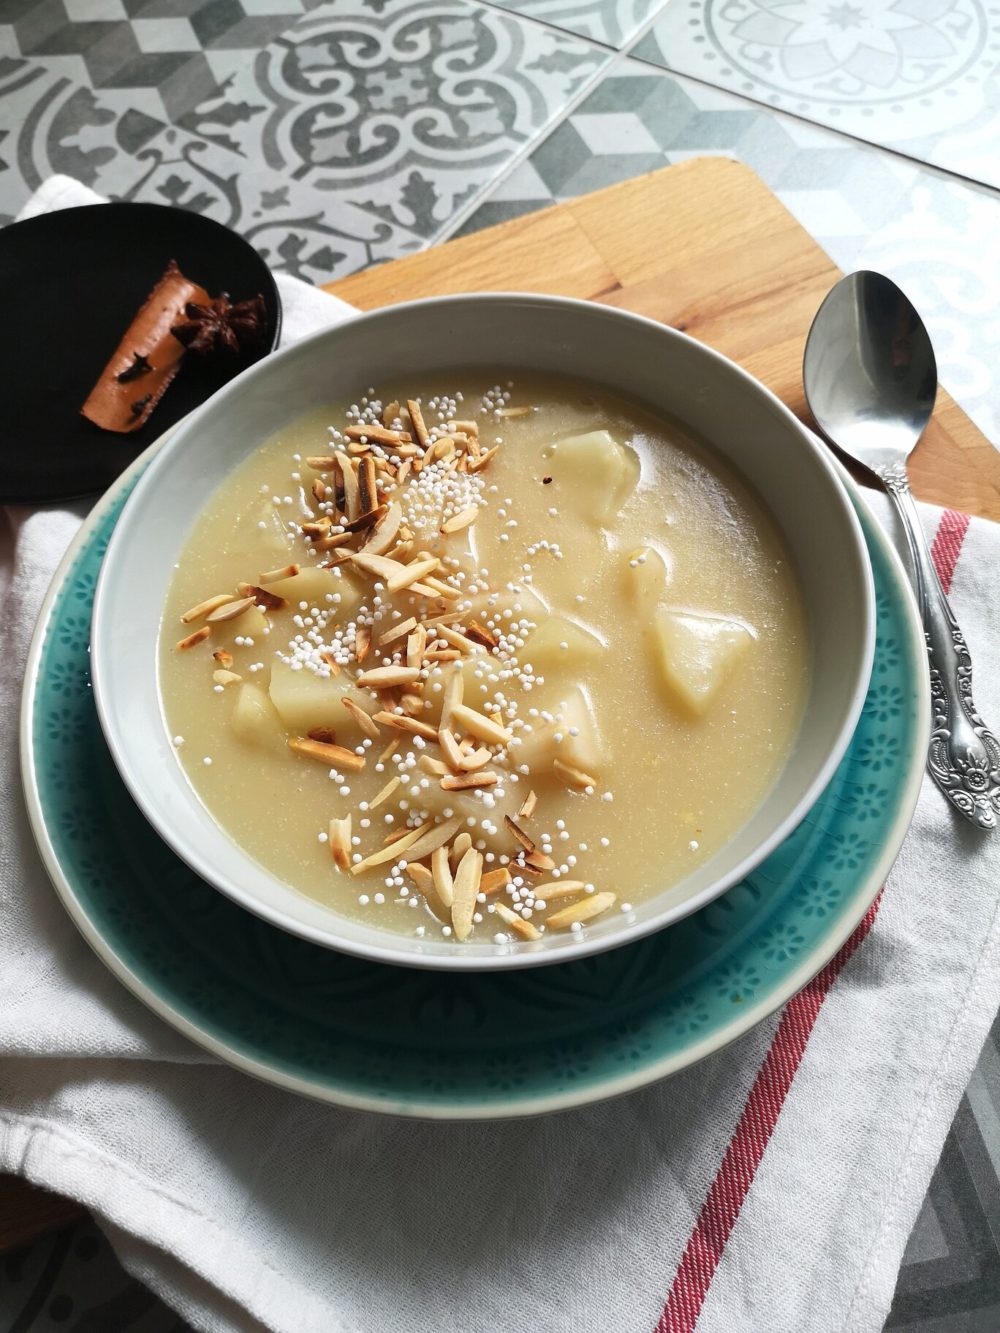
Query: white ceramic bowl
[673,375]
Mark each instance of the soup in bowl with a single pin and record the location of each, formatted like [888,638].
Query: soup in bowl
[483,632]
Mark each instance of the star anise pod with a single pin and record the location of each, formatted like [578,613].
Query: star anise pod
[223,329]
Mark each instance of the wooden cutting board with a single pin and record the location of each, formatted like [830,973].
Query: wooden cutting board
[704,247]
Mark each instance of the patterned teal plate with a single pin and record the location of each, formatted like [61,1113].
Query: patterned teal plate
[455,1045]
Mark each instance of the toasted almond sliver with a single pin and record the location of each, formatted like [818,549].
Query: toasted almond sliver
[403,471]
[268,601]
[275,575]
[584,910]
[379,565]
[480,726]
[316,528]
[514,413]
[332,542]
[324,463]
[474,759]
[476,463]
[410,724]
[223,677]
[465,890]
[198,636]
[449,748]
[389,413]
[331,662]
[367,493]
[443,880]
[481,635]
[438,588]
[458,849]
[452,694]
[519,834]
[464,519]
[540,860]
[205,607]
[230,611]
[381,678]
[528,806]
[411,704]
[365,519]
[424,881]
[376,434]
[364,719]
[517,923]
[558,888]
[384,533]
[398,631]
[464,427]
[325,734]
[416,643]
[494,881]
[349,479]
[573,777]
[385,793]
[467,781]
[433,767]
[362,641]
[442,655]
[446,618]
[321,492]
[223,658]
[433,839]
[334,756]
[410,574]
[340,842]
[456,639]
[417,420]
[391,853]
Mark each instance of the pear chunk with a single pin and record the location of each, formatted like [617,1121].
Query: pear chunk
[559,643]
[597,475]
[305,701]
[255,719]
[646,577]
[540,748]
[696,652]
[312,583]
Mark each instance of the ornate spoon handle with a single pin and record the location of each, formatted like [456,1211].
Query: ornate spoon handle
[964,756]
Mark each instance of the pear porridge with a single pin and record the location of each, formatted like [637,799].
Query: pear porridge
[483,660]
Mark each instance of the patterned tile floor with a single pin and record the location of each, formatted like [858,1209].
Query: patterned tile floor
[343,133]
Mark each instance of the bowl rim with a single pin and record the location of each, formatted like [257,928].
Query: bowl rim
[396,949]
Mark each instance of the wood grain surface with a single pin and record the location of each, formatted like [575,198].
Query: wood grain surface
[703,246]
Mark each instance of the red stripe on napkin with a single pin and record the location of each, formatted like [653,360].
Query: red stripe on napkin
[760,1113]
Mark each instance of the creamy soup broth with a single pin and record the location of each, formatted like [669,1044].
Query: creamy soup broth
[636,631]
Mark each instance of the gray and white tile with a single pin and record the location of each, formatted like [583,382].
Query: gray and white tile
[612,22]
[917,76]
[868,209]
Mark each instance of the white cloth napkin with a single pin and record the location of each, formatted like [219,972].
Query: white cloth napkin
[247,1208]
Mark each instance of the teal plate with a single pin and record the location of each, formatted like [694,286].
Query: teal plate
[456,1046]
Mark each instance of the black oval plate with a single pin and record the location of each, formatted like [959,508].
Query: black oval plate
[70,284]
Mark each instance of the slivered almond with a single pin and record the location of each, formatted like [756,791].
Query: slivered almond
[539,860]
[390,853]
[356,450]
[456,639]
[364,719]
[448,618]
[340,842]
[495,881]
[514,413]
[398,631]
[410,574]
[332,542]
[517,923]
[395,835]
[400,552]
[231,611]
[362,641]
[424,881]
[365,519]
[480,726]
[367,492]
[384,533]
[325,734]
[442,655]
[389,413]
[198,636]
[403,471]
[417,421]
[464,519]
[275,575]
[331,662]
[223,658]
[474,759]
[416,643]
[481,635]
[519,834]
[204,608]
[390,749]
[431,840]
[422,590]
[449,748]
[573,777]
[528,806]
[316,528]
[334,756]
[434,767]
[322,463]
[381,678]
[441,589]
[410,724]
[223,677]
[376,434]
[349,480]
[378,565]
[385,793]
[458,849]
[269,601]
[465,427]
[467,781]
[476,464]
[411,704]
[558,888]
[319,490]
[465,890]
[443,879]
[584,910]
[452,694]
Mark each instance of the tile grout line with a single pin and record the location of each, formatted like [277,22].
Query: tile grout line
[549,127]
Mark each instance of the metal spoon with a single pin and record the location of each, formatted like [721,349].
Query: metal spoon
[871,380]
